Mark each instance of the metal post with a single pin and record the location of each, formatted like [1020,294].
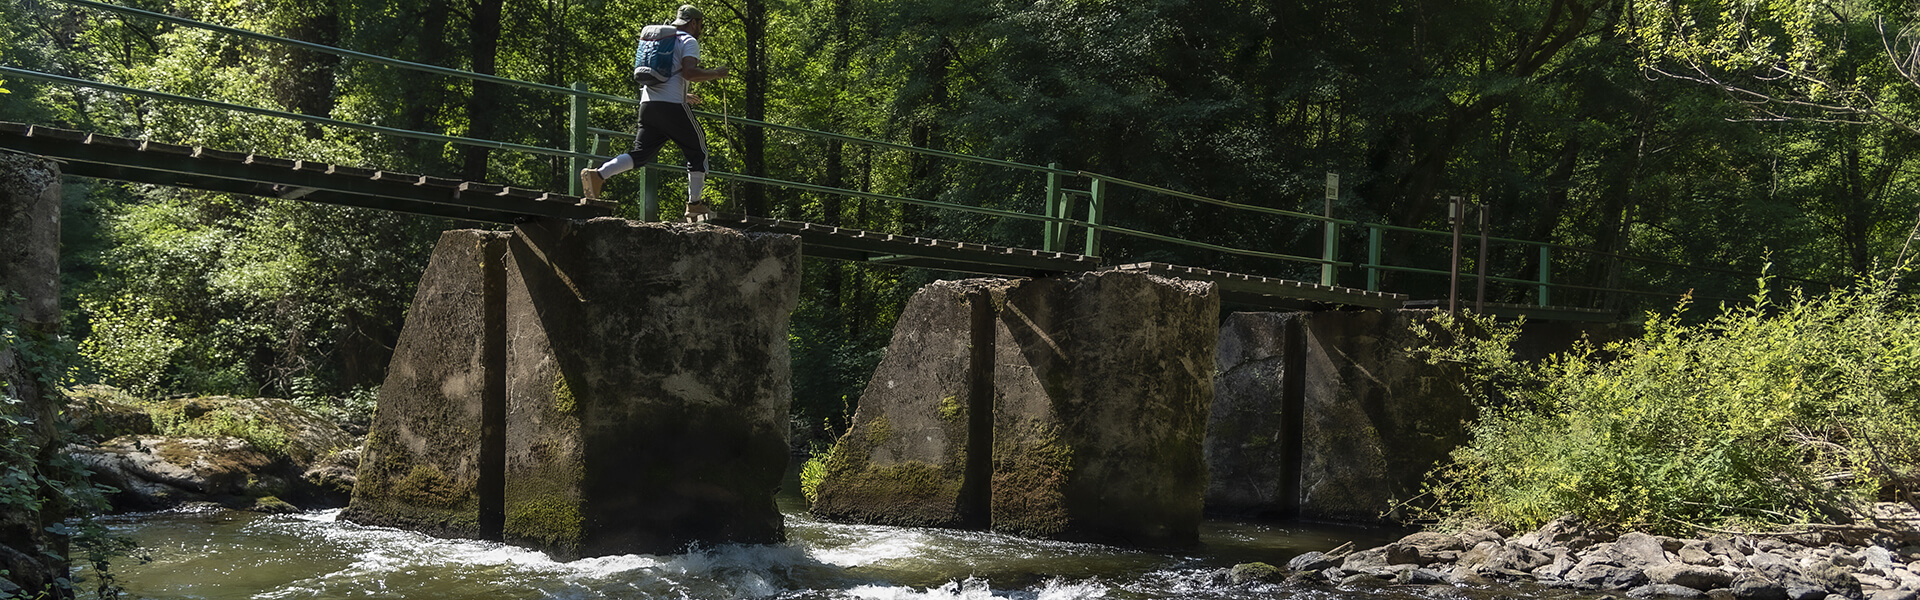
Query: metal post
[1453,273]
[649,194]
[1546,257]
[1050,232]
[577,132]
[1330,252]
[1480,294]
[1330,241]
[1373,257]
[1095,207]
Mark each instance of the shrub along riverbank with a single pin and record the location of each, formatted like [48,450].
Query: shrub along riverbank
[1769,451]
[1760,417]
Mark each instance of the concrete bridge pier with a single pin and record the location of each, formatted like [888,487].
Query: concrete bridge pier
[1068,407]
[1328,415]
[590,388]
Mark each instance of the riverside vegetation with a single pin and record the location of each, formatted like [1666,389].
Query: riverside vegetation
[1783,438]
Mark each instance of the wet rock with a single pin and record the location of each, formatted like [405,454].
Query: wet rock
[1753,586]
[1570,532]
[155,473]
[1606,576]
[1515,557]
[1773,565]
[1422,548]
[1466,576]
[1801,588]
[1695,553]
[333,477]
[1560,561]
[1312,561]
[1475,537]
[1359,579]
[1665,590]
[1908,579]
[1639,550]
[1878,558]
[1874,582]
[1726,546]
[1478,554]
[1375,558]
[1421,577]
[1836,580]
[265,504]
[1691,576]
[1893,595]
[1255,572]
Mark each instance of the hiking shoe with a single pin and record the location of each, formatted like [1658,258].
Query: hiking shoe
[698,212]
[591,182]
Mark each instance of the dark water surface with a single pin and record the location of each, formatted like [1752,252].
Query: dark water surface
[222,554]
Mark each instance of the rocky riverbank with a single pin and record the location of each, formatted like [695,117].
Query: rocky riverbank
[261,454]
[1876,560]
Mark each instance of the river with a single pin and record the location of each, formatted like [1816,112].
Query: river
[221,554]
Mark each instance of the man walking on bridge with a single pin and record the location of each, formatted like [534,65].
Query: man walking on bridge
[664,114]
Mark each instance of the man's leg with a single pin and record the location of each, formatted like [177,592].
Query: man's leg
[692,140]
[647,141]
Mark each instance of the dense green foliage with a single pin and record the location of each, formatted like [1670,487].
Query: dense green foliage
[1763,414]
[1542,109]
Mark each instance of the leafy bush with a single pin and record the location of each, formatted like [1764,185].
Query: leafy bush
[811,474]
[1760,416]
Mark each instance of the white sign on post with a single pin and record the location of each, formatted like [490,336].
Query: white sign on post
[1333,186]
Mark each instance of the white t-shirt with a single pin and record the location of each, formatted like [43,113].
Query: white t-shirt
[674,90]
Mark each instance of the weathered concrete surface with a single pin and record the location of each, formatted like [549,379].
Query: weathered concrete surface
[1125,362]
[1372,418]
[1098,389]
[30,268]
[432,461]
[1253,432]
[907,461]
[648,385]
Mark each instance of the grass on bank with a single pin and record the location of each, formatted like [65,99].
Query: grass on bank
[1760,416]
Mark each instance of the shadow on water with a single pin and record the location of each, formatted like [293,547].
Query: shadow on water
[220,554]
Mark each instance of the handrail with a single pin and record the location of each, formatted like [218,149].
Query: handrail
[288,115]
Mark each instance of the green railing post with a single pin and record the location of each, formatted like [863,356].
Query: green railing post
[1095,207]
[1373,257]
[577,132]
[649,194]
[1545,297]
[1330,251]
[1050,232]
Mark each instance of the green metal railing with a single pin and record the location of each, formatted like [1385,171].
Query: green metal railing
[1066,191]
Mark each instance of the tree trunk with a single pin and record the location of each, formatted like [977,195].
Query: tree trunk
[754,139]
[30,269]
[483,105]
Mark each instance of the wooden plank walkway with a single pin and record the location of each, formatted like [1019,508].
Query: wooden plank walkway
[826,241]
[199,167]
[1254,290]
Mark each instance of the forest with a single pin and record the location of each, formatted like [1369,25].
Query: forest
[1774,135]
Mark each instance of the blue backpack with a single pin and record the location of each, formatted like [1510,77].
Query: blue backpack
[653,61]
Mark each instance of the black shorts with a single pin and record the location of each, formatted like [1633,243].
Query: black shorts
[662,121]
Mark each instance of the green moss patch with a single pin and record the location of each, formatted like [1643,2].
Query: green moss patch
[1029,479]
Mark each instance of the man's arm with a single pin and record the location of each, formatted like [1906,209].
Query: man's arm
[690,68]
